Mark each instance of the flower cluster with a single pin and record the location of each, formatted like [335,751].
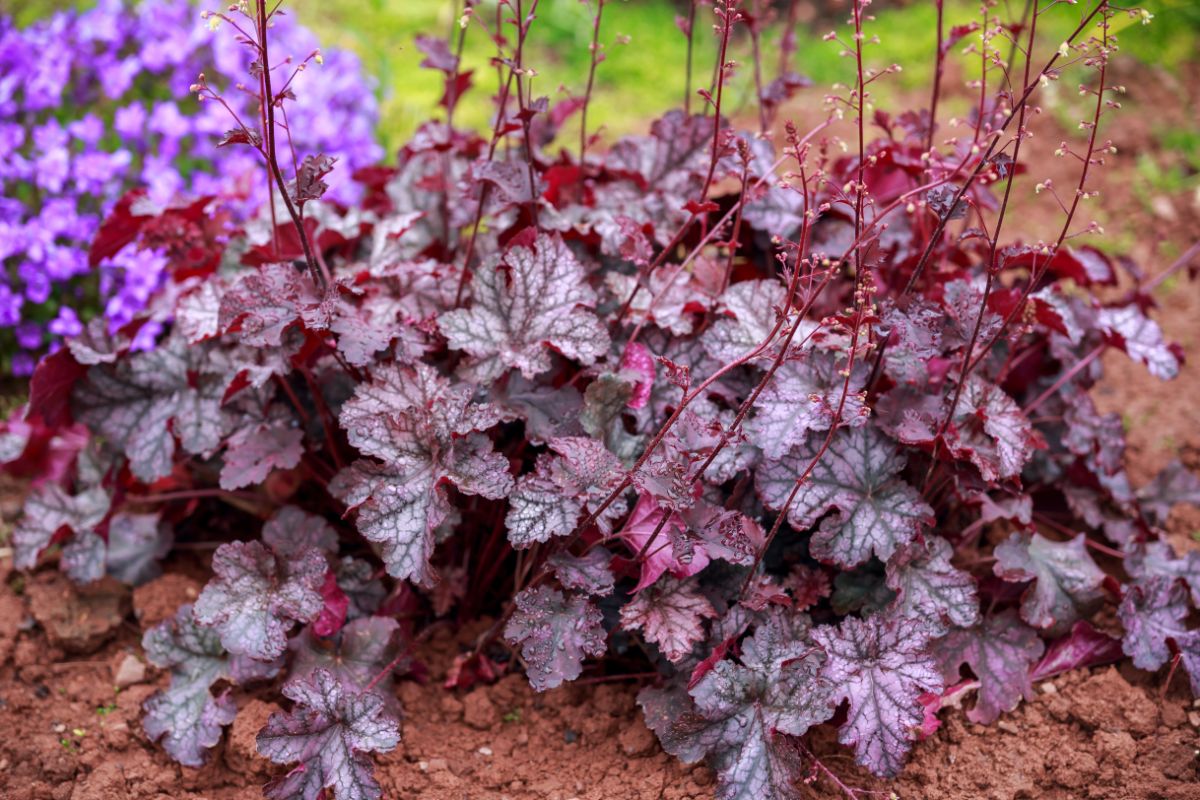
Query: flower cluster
[111,110]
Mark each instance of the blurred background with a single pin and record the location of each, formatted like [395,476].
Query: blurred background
[643,76]
[1149,209]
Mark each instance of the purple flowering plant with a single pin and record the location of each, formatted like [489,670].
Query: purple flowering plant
[802,423]
[110,112]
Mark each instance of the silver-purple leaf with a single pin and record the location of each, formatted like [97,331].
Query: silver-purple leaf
[556,633]
[421,426]
[577,477]
[1141,338]
[329,733]
[748,317]
[1000,651]
[252,452]
[266,302]
[1067,582]
[988,427]
[589,573]
[857,478]
[1145,560]
[805,395]
[1154,613]
[291,530]
[881,665]
[671,614]
[82,558]
[136,543]
[257,596]
[929,588]
[398,509]
[50,508]
[357,580]
[741,711]
[355,655]
[186,717]
[143,402]
[1174,485]
[529,301]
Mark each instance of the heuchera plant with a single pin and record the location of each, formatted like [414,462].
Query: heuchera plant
[109,112]
[786,416]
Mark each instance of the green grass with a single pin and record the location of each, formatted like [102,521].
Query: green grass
[641,79]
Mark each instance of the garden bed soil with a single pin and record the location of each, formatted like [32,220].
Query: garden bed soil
[70,734]
[1109,733]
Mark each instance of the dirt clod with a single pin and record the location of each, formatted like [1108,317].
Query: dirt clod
[479,711]
[637,741]
[79,619]
[160,598]
[241,752]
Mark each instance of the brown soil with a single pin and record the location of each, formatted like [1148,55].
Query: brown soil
[67,733]
[70,734]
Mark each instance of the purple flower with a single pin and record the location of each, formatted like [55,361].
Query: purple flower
[58,216]
[66,323]
[88,130]
[23,364]
[29,335]
[138,274]
[68,83]
[166,121]
[118,76]
[10,306]
[130,120]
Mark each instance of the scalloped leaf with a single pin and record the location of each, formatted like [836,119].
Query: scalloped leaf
[1128,328]
[857,478]
[1067,582]
[1154,613]
[1174,485]
[258,595]
[748,312]
[589,573]
[49,509]
[354,655]
[252,452]
[421,426]
[1000,651]
[329,733]
[185,717]
[142,403]
[929,588]
[804,396]
[740,711]
[556,633]
[671,614]
[881,665]
[576,478]
[292,530]
[136,544]
[533,299]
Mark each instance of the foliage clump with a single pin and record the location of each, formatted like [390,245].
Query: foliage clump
[790,415]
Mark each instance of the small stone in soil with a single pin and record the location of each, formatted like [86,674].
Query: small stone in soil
[129,672]
[485,751]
